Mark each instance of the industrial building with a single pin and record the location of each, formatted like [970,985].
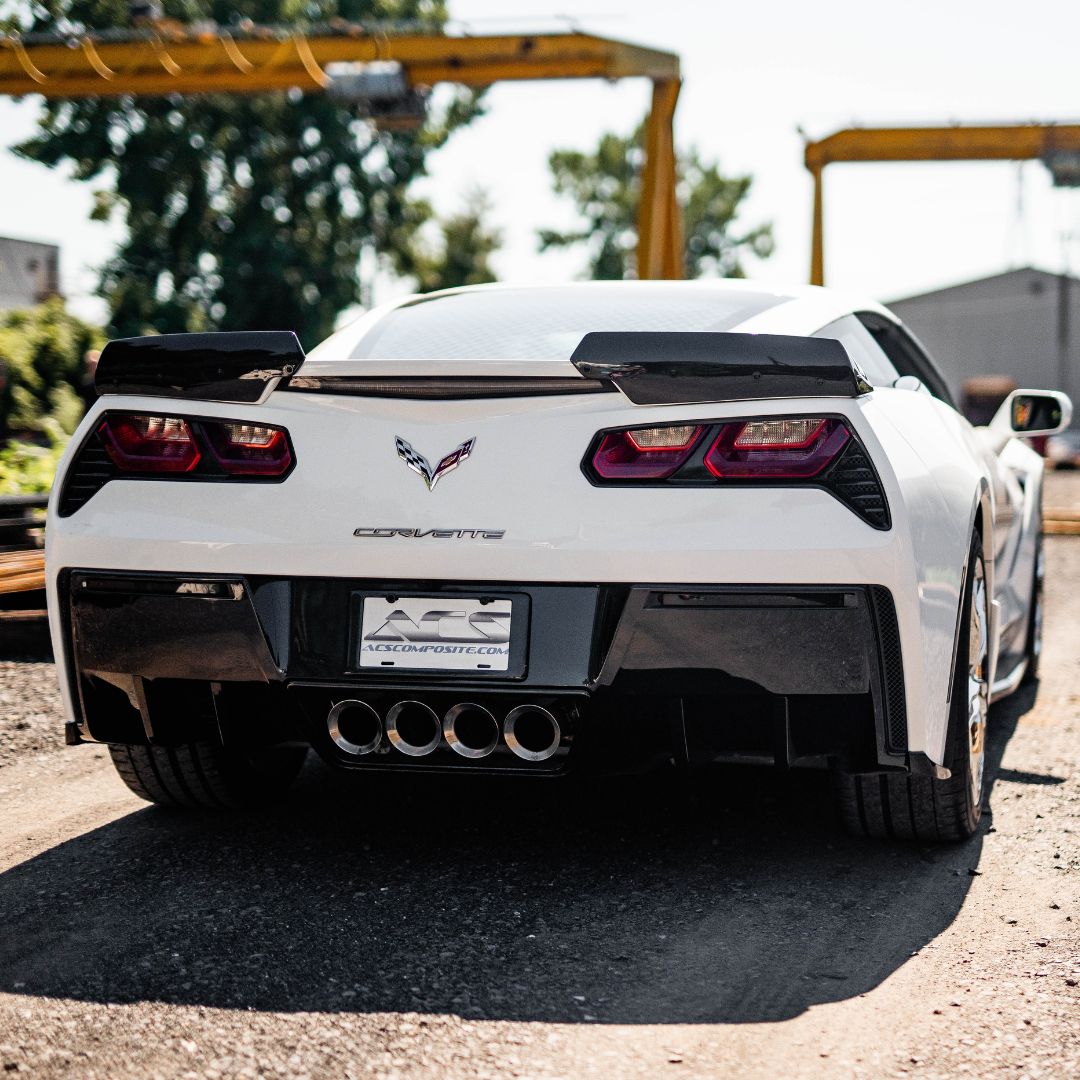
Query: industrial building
[1020,325]
[29,272]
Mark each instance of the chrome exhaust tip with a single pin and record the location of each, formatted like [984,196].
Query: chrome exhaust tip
[413,728]
[532,732]
[354,727]
[470,730]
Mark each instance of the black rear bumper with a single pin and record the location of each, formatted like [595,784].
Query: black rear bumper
[799,675]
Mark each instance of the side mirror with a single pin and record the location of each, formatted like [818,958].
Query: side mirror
[1033,412]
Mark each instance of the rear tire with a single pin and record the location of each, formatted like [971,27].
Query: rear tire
[1033,648]
[206,775]
[900,806]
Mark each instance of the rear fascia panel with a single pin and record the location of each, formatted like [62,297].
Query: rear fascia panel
[524,480]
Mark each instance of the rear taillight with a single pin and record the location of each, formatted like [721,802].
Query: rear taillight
[149,444]
[134,446]
[249,449]
[782,449]
[777,451]
[645,453]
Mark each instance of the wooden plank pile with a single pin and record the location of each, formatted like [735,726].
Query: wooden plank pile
[21,571]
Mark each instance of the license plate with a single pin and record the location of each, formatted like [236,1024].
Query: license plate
[435,633]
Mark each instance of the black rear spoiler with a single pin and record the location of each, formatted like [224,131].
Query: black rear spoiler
[241,366]
[692,368]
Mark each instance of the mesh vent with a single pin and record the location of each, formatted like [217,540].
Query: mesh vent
[854,481]
[91,470]
[892,669]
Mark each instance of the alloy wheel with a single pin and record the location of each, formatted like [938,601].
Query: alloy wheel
[978,686]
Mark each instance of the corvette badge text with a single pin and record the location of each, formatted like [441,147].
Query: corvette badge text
[437,534]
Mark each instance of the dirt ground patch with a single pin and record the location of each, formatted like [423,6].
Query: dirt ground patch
[625,928]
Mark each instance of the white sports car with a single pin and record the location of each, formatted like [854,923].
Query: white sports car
[528,530]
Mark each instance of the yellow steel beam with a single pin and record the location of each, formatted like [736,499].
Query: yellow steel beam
[817,242]
[1016,142]
[175,61]
[1003,142]
[150,64]
[659,222]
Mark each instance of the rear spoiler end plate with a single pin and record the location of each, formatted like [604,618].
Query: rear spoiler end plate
[243,366]
[692,368]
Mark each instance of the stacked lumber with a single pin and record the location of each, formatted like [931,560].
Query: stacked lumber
[21,571]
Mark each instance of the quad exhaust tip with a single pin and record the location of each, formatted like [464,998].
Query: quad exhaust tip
[471,730]
[413,728]
[355,727]
[532,732]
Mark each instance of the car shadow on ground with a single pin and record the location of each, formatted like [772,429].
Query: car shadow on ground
[731,898]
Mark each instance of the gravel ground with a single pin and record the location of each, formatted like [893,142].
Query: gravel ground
[29,711]
[623,928]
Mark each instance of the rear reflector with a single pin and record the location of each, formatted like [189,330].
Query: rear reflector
[149,444]
[645,453]
[776,449]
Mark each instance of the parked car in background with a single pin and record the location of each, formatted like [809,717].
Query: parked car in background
[1063,450]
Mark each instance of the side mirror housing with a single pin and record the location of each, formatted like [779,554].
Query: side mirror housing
[1033,412]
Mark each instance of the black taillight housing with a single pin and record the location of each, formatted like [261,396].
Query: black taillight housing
[153,446]
[766,451]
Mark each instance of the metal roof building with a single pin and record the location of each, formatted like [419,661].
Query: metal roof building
[1023,324]
[29,272]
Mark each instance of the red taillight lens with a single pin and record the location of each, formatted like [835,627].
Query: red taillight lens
[645,453]
[249,449]
[149,444]
[782,449]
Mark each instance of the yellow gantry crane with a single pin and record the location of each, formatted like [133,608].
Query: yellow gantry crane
[1057,145]
[173,59]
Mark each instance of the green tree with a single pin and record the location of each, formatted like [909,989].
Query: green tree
[461,254]
[242,212]
[605,187]
[42,352]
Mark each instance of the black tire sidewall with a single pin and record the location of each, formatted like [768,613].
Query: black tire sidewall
[958,747]
[1033,657]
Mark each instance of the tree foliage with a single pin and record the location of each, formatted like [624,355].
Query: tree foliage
[42,352]
[461,254]
[605,187]
[242,212]
[29,468]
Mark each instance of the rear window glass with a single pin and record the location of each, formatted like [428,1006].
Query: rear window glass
[548,323]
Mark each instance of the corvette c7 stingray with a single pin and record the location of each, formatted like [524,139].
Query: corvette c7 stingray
[533,530]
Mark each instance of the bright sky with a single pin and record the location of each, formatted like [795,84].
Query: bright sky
[753,74]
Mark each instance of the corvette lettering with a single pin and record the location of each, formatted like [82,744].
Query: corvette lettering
[437,534]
